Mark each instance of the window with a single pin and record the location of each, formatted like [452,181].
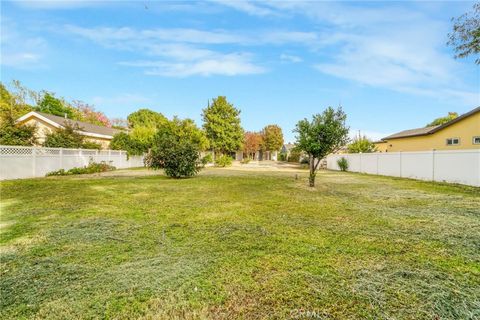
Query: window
[453,141]
[476,140]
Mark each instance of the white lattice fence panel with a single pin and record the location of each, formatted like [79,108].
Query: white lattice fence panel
[17,162]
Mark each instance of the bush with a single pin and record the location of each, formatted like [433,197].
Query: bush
[92,167]
[17,135]
[342,164]
[282,156]
[223,161]
[294,156]
[91,145]
[178,157]
[304,161]
[207,159]
[69,137]
[123,141]
[245,160]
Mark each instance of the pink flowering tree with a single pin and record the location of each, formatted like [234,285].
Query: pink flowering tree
[90,115]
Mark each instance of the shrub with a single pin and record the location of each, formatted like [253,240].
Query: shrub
[294,156]
[282,156]
[207,159]
[91,145]
[361,144]
[92,167]
[223,161]
[342,164]
[304,161]
[123,141]
[69,137]
[178,157]
[17,135]
[245,160]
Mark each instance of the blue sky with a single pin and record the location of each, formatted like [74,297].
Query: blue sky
[386,62]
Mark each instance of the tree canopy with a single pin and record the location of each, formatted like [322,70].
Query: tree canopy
[146,118]
[52,105]
[11,105]
[465,36]
[221,121]
[361,145]
[324,134]
[442,120]
[272,138]
[251,143]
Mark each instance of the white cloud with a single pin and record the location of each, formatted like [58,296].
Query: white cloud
[181,52]
[250,7]
[61,4]
[216,64]
[115,37]
[290,58]
[20,50]
[390,46]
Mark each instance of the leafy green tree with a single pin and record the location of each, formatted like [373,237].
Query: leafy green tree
[176,150]
[11,105]
[143,137]
[12,134]
[50,104]
[123,141]
[272,138]
[324,134]
[442,120]
[361,145]
[187,129]
[465,37]
[146,118]
[221,121]
[67,137]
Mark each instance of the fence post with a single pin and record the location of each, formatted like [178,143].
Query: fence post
[34,161]
[360,162]
[96,156]
[378,155]
[109,156]
[433,165]
[61,158]
[400,154]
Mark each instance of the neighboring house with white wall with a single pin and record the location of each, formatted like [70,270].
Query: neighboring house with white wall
[48,123]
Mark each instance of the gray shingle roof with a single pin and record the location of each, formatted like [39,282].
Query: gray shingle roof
[410,133]
[430,130]
[84,126]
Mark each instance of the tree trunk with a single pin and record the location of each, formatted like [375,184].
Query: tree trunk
[311,178]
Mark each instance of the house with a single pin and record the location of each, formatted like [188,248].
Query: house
[462,132]
[47,123]
[287,148]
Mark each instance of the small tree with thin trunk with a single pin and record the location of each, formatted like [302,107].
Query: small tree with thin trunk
[324,134]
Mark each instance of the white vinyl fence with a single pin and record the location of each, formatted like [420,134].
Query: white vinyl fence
[28,162]
[455,166]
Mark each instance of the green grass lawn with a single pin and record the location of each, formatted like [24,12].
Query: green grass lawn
[232,244]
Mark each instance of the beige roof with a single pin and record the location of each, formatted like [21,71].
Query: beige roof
[84,126]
